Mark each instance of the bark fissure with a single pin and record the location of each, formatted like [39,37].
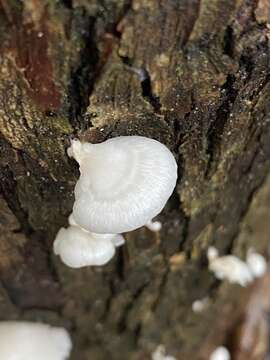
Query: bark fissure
[222,115]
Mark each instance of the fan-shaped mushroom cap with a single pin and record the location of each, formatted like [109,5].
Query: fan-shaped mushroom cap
[33,341]
[78,248]
[124,183]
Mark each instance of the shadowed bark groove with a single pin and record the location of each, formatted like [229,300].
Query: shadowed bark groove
[191,74]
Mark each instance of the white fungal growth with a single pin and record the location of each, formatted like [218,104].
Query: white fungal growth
[212,253]
[78,247]
[160,354]
[33,341]
[124,183]
[221,353]
[256,263]
[199,305]
[72,221]
[235,270]
[231,268]
[154,225]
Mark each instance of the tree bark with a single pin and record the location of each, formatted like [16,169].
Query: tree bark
[193,74]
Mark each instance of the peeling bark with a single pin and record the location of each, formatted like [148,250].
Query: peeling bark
[191,74]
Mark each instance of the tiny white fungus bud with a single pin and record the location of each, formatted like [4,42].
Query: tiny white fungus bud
[199,305]
[212,253]
[234,269]
[256,263]
[33,341]
[231,268]
[221,353]
[154,225]
[160,354]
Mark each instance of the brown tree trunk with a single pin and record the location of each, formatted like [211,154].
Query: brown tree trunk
[193,74]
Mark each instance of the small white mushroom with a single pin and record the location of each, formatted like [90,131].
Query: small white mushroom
[160,354]
[212,253]
[221,353]
[229,267]
[33,341]
[234,269]
[154,225]
[125,182]
[77,247]
[256,263]
[199,305]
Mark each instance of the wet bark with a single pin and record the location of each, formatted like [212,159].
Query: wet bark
[193,74]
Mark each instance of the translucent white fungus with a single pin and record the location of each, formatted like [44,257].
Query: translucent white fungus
[256,263]
[72,221]
[199,305]
[33,341]
[154,225]
[160,354]
[212,253]
[231,268]
[235,270]
[125,182]
[77,247]
[221,353]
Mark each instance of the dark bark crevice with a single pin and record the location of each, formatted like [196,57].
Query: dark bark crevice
[228,95]
[82,77]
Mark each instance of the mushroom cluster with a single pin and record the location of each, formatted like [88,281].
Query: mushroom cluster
[235,270]
[124,183]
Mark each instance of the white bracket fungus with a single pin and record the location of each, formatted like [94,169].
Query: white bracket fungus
[33,341]
[124,183]
[221,353]
[235,270]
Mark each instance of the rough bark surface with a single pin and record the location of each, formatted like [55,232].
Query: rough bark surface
[193,74]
